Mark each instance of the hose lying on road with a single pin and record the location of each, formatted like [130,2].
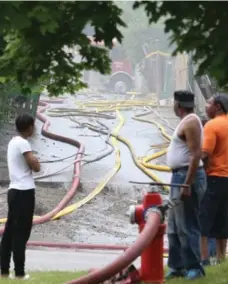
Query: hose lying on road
[104,106]
[144,162]
[136,161]
[54,214]
[78,246]
[103,130]
[81,246]
[160,127]
[129,256]
[91,196]
[83,161]
[75,183]
[55,112]
[165,120]
[107,178]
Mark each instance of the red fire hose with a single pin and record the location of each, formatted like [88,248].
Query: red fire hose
[75,183]
[129,256]
[81,246]
[72,191]
[78,246]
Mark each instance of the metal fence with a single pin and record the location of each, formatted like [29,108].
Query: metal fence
[12,103]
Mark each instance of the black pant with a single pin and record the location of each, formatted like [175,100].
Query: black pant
[214,208]
[18,227]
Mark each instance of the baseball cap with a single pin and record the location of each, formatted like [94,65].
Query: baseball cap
[222,100]
[185,98]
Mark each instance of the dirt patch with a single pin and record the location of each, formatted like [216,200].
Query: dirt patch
[103,220]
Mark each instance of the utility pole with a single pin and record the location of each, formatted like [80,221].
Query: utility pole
[191,80]
[191,86]
[158,71]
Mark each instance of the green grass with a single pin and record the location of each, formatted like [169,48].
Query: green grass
[214,275]
[51,277]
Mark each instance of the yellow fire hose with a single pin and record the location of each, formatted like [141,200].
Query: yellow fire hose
[135,159]
[141,164]
[145,161]
[104,106]
[69,209]
[101,185]
[104,182]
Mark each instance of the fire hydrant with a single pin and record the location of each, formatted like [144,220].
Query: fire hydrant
[152,268]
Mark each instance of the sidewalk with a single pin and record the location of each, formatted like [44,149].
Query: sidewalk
[68,260]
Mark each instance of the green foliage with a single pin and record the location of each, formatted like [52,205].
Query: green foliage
[38,40]
[198,28]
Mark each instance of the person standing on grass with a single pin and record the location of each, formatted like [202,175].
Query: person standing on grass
[184,159]
[211,241]
[214,206]
[21,198]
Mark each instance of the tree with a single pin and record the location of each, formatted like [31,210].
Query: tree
[198,28]
[34,36]
[38,38]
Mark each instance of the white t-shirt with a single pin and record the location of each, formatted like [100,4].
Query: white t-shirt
[19,171]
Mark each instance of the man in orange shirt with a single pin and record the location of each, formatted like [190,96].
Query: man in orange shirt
[214,206]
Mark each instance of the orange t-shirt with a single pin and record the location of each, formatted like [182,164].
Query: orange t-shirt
[215,144]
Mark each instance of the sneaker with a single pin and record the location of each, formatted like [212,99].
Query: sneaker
[5,276]
[206,262]
[194,274]
[26,277]
[174,273]
[218,262]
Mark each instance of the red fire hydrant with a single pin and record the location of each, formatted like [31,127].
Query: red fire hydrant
[152,268]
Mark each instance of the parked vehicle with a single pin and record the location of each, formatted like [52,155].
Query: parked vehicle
[122,75]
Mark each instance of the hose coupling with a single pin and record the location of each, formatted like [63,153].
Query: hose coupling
[131,212]
[150,210]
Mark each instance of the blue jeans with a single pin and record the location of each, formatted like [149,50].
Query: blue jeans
[183,223]
[212,247]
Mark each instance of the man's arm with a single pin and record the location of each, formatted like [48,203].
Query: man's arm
[32,161]
[192,133]
[205,159]
[209,142]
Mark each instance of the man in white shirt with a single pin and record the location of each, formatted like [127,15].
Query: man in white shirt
[21,197]
[184,158]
